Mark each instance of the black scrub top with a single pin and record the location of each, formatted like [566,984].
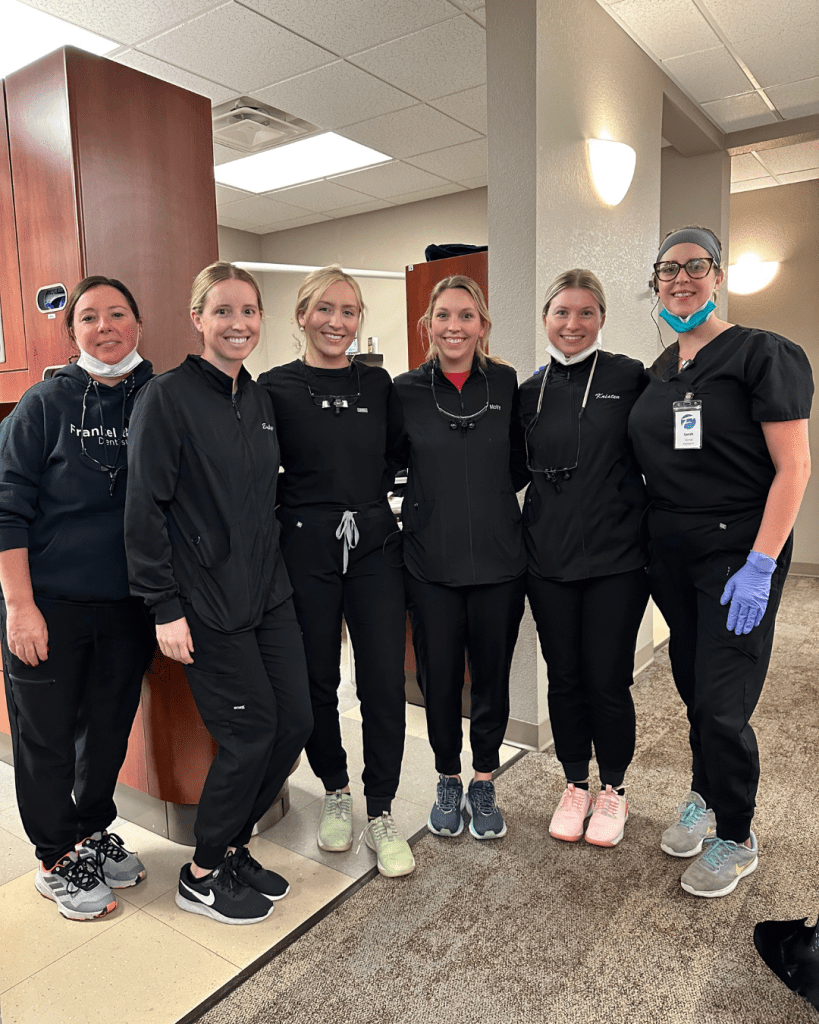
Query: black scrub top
[744,378]
[591,526]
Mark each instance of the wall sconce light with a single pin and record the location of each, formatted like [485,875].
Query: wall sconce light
[750,274]
[612,168]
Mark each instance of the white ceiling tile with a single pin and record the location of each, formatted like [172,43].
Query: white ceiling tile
[224,154]
[123,20]
[786,159]
[739,112]
[709,74]
[745,167]
[407,132]
[470,5]
[427,193]
[248,214]
[348,26]
[335,95]
[781,60]
[353,211]
[480,14]
[226,195]
[480,182]
[318,196]
[668,29]
[285,225]
[468,107]
[752,184]
[793,176]
[434,62]
[237,47]
[388,180]
[455,162]
[796,100]
[168,73]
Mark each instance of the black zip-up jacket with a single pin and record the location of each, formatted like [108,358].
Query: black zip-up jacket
[587,525]
[199,523]
[66,508]
[460,514]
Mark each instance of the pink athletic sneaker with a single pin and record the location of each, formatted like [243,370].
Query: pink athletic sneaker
[572,811]
[608,820]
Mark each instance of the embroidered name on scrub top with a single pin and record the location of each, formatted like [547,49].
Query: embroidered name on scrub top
[688,422]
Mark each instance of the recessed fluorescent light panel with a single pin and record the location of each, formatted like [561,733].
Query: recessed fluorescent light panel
[320,156]
[29,34]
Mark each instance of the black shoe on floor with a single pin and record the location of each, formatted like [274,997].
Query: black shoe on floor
[251,872]
[792,952]
[222,895]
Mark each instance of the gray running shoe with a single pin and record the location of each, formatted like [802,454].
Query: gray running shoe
[717,871]
[392,852]
[117,866]
[697,823]
[335,831]
[487,820]
[445,818]
[74,885]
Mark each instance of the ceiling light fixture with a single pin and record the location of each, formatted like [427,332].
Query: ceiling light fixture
[612,168]
[750,274]
[320,156]
[29,34]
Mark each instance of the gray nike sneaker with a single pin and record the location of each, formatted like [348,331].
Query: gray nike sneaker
[696,823]
[717,871]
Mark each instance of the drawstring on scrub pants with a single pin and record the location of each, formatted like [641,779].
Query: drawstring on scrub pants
[348,532]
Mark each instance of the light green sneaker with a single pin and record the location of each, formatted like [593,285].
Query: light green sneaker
[696,823]
[392,851]
[335,831]
[717,871]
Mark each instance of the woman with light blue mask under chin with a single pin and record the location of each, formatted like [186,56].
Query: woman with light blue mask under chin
[721,435]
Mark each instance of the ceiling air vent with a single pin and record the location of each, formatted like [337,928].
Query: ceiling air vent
[246,125]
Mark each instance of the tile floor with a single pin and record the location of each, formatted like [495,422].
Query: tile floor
[151,962]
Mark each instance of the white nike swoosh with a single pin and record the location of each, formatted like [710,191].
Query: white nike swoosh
[209,899]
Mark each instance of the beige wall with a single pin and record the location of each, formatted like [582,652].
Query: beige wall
[235,246]
[782,224]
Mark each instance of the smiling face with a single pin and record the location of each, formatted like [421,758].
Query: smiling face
[685,295]
[103,324]
[573,320]
[331,326]
[456,328]
[230,323]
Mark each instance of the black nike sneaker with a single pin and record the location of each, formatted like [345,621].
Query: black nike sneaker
[222,895]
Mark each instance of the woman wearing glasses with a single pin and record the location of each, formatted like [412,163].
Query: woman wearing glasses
[587,583]
[463,547]
[75,644]
[721,436]
[338,423]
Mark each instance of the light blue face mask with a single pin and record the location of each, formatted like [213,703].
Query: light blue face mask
[698,317]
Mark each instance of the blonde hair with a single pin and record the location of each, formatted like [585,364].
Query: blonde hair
[473,289]
[216,272]
[316,284]
[577,278]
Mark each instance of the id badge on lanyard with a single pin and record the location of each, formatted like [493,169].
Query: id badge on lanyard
[688,422]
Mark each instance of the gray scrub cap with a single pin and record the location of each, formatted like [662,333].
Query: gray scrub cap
[699,236]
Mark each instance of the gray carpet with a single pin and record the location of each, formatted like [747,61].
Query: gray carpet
[530,929]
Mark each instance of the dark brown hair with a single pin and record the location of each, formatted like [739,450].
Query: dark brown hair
[87,284]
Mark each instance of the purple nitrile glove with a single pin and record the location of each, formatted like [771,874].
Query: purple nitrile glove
[748,590]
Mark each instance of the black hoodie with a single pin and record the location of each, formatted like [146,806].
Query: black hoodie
[67,507]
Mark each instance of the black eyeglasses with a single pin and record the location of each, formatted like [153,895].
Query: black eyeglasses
[334,402]
[696,268]
[467,421]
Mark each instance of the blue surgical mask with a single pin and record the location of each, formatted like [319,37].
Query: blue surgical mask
[698,317]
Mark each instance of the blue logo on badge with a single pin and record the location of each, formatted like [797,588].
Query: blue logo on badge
[689,422]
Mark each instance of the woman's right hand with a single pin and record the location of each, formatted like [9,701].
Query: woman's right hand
[27,633]
[175,640]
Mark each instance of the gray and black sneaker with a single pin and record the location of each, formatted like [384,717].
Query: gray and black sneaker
[696,823]
[487,820]
[445,818]
[74,885]
[222,895]
[117,866]
[719,868]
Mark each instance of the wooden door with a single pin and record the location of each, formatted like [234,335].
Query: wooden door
[12,335]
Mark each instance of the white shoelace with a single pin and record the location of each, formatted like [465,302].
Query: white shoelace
[348,532]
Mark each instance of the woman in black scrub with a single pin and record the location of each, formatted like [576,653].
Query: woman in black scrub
[464,558]
[338,421]
[721,436]
[587,584]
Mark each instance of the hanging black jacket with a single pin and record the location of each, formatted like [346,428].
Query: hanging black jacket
[460,515]
[199,522]
[587,525]
[59,503]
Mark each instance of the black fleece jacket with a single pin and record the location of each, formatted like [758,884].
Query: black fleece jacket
[199,522]
[59,503]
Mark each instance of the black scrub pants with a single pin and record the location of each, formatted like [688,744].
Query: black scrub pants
[718,675]
[370,596]
[482,622]
[588,633]
[251,690]
[71,716]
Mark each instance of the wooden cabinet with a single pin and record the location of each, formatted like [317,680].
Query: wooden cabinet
[12,338]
